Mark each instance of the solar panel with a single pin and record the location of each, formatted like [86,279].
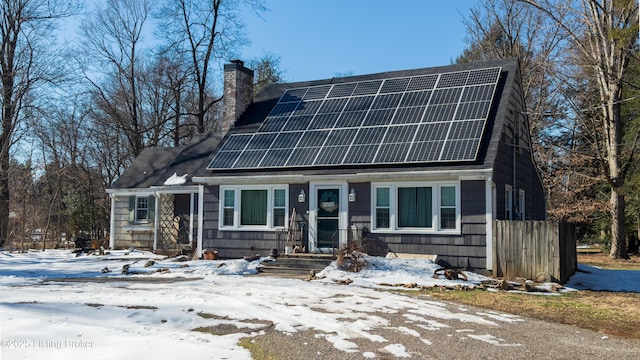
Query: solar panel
[361,154]
[415,119]
[275,158]
[378,117]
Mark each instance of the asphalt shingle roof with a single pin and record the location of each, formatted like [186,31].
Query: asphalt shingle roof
[155,165]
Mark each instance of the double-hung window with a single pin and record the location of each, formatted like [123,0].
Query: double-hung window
[448,208]
[279,207]
[229,207]
[383,209]
[253,207]
[141,209]
[416,207]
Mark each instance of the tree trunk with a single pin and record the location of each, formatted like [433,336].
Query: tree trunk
[618,238]
[4,197]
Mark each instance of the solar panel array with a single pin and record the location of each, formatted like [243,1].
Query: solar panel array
[417,119]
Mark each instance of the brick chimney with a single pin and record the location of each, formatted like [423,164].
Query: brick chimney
[238,92]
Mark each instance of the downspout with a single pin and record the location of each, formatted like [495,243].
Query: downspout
[490,199]
[156,220]
[200,219]
[192,199]
[515,188]
[112,223]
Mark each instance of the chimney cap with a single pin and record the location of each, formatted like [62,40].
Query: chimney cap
[237,65]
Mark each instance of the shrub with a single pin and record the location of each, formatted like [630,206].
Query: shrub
[350,258]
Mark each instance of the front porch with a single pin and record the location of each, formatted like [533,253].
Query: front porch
[165,221]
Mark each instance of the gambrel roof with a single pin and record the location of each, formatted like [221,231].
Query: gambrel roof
[440,118]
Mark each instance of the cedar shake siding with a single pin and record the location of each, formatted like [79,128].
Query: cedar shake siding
[464,250]
[129,233]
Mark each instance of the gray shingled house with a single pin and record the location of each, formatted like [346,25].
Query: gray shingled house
[421,161]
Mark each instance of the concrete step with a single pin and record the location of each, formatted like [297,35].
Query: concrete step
[300,265]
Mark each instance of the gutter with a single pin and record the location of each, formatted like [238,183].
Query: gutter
[480,174]
[173,189]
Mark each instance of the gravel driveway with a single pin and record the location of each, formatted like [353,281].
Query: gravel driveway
[407,336]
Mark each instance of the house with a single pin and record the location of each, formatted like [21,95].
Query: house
[421,161]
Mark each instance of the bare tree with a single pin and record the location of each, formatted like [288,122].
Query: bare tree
[267,71]
[70,191]
[204,31]
[22,203]
[167,95]
[602,35]
[504,29]
[26,65]
[112,40]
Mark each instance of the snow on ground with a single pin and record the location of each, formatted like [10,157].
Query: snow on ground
[593,278]
[152,311]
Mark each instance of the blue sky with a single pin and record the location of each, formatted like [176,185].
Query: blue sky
[319,39]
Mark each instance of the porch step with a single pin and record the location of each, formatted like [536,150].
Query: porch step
[298,264]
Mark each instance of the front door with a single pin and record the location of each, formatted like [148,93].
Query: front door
[330,214]
[328,220]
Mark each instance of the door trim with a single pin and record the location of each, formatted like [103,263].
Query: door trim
[313,213]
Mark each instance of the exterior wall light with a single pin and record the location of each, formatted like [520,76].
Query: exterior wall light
[352,196]
[301,196]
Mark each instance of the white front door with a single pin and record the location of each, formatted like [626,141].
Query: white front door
[327,217]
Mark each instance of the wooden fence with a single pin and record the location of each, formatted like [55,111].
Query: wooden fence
[528,248]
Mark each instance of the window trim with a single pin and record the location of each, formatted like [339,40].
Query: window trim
[148,209]
[436,201]
[441,206]
[237,206]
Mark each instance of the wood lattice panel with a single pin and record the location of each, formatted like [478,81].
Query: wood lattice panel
[169,223]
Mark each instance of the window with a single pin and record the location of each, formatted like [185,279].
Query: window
[253,207]
[229,208]
[448,210]
[411,207]
[382,208]
[414,207]
[141,208]
[508,202]
[279,207]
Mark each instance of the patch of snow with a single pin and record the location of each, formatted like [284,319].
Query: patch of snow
[154,310]
[398,350]
[490,339]
[175,179]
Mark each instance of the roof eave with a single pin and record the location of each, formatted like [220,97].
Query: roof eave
[168,189]
[469,174]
